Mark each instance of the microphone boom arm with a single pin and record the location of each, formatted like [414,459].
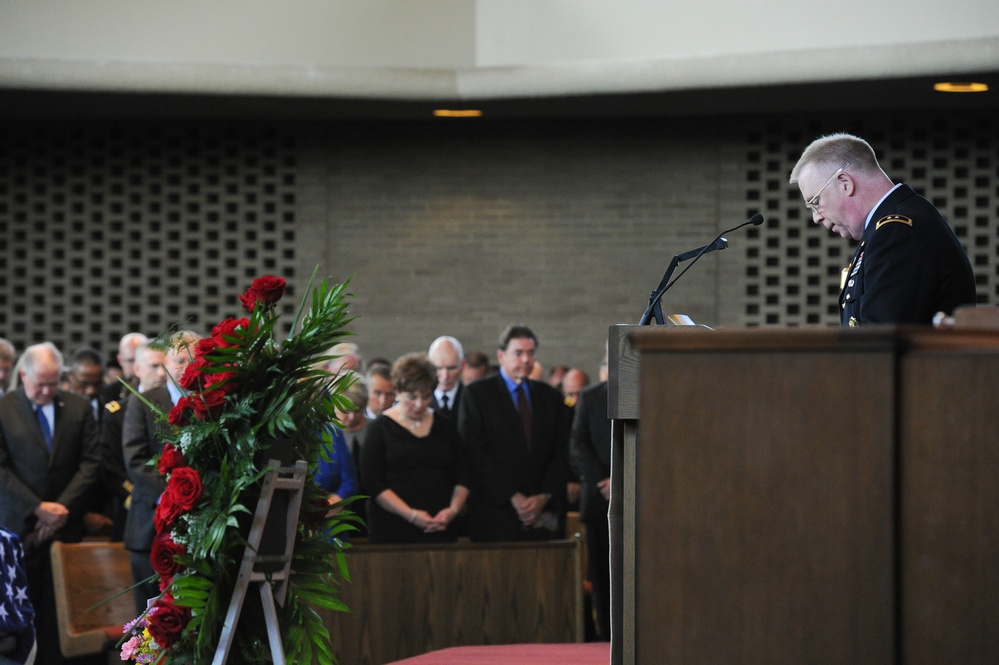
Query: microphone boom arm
[655,307]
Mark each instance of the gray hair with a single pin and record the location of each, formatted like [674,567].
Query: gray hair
[835,150]
[32,357]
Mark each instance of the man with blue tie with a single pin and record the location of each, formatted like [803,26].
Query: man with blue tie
[49,461]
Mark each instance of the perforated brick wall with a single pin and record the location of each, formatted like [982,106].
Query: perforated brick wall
[141,227]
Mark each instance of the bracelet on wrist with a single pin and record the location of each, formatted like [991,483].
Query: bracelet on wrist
[412,518]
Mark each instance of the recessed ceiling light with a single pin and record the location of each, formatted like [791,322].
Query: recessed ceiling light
[953,86]
[457,113]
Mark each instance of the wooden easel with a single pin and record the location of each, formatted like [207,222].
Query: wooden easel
[270,571]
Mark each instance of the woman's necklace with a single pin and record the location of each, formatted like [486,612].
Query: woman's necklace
[414,424]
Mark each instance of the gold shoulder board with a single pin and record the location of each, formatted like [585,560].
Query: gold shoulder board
[112,407]
[893,218]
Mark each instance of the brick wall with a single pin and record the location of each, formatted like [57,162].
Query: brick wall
[459,229]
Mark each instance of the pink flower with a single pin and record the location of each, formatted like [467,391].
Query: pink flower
[130,649]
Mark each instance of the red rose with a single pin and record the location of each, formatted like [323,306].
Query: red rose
[164,555]
[167,622]
[184,487]
[170,459]
[223,381]
[249,300]
[267,289]
[208,403]
[231,332]
[193,374]
[167,511]
[206,345]
[178,414]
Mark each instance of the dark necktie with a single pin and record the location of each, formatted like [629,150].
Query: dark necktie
[524,408]
[445,407]
[43,423]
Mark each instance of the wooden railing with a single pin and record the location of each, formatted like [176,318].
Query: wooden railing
[406,600]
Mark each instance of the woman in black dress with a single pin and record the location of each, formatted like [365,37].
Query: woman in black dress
[413,463]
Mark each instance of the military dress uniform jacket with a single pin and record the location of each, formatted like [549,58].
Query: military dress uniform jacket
[908,266]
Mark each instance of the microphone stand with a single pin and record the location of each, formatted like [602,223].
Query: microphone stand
[655,304]
[655,307]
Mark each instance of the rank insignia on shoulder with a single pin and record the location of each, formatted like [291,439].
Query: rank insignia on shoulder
[893,218]
[113,407]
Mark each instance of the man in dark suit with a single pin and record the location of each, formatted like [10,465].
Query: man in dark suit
[449,360]
[909,264]
[517,433]
[49,461]
[590,457]
[150,372]
[142,440]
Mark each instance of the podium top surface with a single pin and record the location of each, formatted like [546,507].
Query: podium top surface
[627,342]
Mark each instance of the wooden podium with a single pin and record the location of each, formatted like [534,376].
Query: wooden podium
[804,495]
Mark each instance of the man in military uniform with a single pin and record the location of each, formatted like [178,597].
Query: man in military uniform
[909,265]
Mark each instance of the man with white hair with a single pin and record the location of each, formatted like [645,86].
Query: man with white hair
[346,357]
[448,359]
[126,360]
[49,462]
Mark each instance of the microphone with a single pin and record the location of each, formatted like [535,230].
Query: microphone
[665,285]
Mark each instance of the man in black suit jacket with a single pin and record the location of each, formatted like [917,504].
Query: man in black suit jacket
[142,440]
[49,461]
[909,264]
[43,488]
[590,458]
[150,372]
[449,360]
[519,462]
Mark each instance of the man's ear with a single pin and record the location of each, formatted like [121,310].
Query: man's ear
[846,183]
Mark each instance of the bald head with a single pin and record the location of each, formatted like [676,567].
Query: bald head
[448,360]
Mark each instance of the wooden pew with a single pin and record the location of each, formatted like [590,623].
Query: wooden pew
[85,575]
[407,600]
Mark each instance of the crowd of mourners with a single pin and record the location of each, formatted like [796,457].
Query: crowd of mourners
[444,445]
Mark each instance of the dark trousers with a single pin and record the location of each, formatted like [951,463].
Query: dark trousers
[142,570]
[598,550]
[38,570]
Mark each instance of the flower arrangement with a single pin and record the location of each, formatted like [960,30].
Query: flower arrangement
[244,391]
